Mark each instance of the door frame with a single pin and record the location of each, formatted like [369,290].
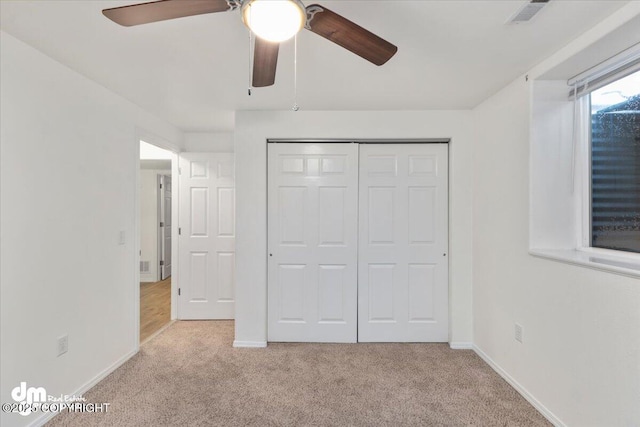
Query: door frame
[388,141]
[142,135]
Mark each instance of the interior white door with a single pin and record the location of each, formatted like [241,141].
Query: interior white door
[402,261]
[165,226]
[207,236]
[312,242]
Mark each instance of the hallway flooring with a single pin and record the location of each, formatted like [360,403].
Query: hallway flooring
[155,307]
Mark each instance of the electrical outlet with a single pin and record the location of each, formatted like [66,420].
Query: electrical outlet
[518,333]
[63,344]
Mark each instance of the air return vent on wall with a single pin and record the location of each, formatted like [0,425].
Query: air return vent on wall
[528,11]
[144,266]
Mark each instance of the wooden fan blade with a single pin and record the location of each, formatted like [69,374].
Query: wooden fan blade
[162,10]
[349,35]
[265,60]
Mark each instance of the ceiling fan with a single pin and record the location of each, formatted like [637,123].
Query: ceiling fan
[272,21]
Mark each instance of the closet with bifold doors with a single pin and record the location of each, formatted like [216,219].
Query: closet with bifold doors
[357,241]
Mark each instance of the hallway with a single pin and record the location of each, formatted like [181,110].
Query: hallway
[155,307]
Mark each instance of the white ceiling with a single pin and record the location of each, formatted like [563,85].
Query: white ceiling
[194,72]
[151,152]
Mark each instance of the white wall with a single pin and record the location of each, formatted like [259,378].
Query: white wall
[555,193]
[63,271]
[253,128]
[68,169]
[204,142]
[580,359]
[149,221]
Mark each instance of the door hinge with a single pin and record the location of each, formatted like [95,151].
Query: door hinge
[161,224]
[179,231]
[179,171]
[161,263]
[161,186]
[178,291]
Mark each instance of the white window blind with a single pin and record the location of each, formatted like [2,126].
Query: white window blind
[614,68]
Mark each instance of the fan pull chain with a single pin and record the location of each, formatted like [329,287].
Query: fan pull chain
[250,67]
[295,74]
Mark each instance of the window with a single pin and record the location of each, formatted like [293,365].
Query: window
[615,165]
[584,154]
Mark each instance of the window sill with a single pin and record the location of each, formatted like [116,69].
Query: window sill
[604,262]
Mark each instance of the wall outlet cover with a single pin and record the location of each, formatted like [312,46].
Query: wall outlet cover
[63,344]
[518,333]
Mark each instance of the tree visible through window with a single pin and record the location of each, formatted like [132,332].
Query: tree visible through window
[615,165]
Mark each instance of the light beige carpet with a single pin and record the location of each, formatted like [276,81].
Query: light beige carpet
[189,375]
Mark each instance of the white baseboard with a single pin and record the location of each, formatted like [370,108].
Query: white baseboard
[250,344]
[47,416]
[461,345]
[550,416]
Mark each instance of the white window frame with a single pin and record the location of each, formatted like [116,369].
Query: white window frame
[584,159]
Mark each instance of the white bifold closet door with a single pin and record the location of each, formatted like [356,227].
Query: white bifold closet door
[207,237]
[402,259]
[313,243]
[357,242]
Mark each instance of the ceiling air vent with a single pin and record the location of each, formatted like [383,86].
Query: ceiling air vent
[528,11]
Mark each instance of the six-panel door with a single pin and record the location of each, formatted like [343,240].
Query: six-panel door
[403,228]
[312,228]
[207,239]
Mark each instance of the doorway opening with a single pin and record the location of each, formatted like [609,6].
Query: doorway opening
[155,196]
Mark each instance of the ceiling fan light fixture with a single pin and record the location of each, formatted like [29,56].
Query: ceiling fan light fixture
[274,20]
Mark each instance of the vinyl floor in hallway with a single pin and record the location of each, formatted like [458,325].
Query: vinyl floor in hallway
[155,307]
